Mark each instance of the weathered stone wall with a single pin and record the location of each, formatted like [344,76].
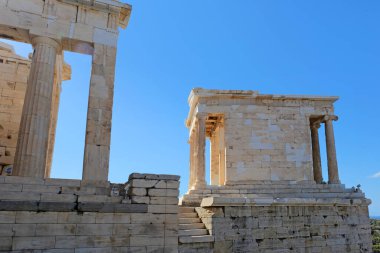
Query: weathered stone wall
[286,228]
[55,215]
[14,72]
[268,140]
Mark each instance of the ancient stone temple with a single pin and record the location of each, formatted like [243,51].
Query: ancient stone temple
[266,192]
[41,214]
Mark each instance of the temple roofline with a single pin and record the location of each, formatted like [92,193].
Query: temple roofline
[198,93]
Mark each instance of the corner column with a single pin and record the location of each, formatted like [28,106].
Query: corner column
[317,167]
[32,143]
[200,181]
[191,161]
[331,150]
[99,115]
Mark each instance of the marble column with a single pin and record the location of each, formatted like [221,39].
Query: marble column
[214,157]
[32,144]
[331,150]
[317,167]
[54,115]
[191,161]
[200,181]
[99,116]
[222,155]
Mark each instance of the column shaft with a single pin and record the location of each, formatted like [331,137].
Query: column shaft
[32,144]
[214,157]
[222,156]
[99,115]
[54,117]
[191,161]
[317,167]
[331,152]
[200,152]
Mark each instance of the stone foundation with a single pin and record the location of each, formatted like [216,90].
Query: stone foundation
[287,228]
[55,215]
[284,216]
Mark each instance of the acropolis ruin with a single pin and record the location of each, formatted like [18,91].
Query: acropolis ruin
[267,192]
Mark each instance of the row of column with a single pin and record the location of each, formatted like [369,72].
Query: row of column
[197,141]
[332,163]
[35,126]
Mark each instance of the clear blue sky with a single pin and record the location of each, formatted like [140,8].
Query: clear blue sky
[274,46]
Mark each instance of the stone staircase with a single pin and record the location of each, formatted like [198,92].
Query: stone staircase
[191,228]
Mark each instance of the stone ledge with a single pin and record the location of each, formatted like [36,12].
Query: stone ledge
[154,176]
[70,207]
[268,201]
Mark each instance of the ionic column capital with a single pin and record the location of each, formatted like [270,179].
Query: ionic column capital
[330,118]
[47,41]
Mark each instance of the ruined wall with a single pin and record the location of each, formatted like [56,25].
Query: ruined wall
[14,72]
[286,228]
[267,138]
[65,215]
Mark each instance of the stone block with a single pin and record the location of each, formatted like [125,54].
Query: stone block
[6,244]
[19,205]
[6,230]
[57,206]
[140,199]
[143,240]
[94,229]
[7,217]
[52,197]
[55,229]
[143,183]
[140,218]
[153,176]
[96,241]
[76,218]
[35,217]
[24,229]
[163,192]
[164,200]
[29,243]
[137,191]
[113,218]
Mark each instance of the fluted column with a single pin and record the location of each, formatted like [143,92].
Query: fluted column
[317,167]
[99,116]
[191,161]
[32,144]
[331,150]
[200,181]
[214,157]
[222,155]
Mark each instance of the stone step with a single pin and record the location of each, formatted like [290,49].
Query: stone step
[191,226]
[192,232]
[189,220]
[186,209]
[196,238]
[188,215]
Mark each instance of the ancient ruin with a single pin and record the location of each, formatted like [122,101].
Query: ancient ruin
[14,74]
[266,192]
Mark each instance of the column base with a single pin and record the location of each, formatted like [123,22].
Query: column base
[334,182]
[199,185]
